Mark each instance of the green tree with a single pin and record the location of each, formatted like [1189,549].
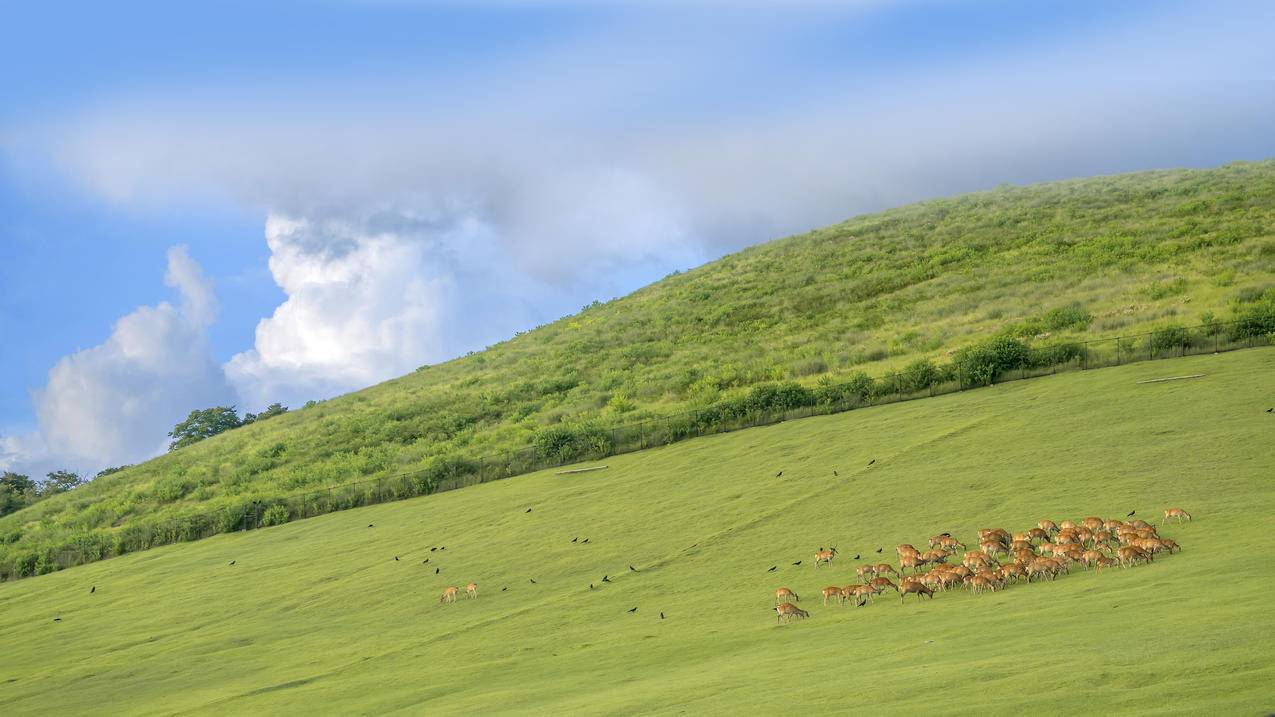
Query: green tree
[203,424]
[16,492]
[59,482]
[112,469]
[274,409]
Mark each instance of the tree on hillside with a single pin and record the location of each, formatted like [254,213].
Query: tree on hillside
[112,469]
[201,424]
[274,409]
[59,482]
[16,492]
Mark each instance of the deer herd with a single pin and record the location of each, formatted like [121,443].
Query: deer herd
[1002,559]
[449,595]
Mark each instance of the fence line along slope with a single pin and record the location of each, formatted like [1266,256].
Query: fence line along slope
[319,614]
[877,294]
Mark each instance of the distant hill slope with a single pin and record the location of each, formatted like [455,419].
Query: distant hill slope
[1086,257]
[317,617]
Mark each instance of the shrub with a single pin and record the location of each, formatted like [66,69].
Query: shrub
[1169,337]
[566,443]
[981,363]
[275,515]
[1056,354]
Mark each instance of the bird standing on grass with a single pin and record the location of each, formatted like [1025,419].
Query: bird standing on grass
[528,510]
[797,563]
[533,580]
[436,570]
[779,474]
[232,562]
[606,579]
[872,461]
[632,568]
[633,609]
[835,473]
[856,557]
[661,616]
[1130,513]
[879,550]
[92,590]
[773,568]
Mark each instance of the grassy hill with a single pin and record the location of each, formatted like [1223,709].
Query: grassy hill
[318,614]
[878,293]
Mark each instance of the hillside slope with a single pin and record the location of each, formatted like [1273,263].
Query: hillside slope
[319,614]
[1069,259]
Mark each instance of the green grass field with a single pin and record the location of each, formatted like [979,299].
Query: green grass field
[317,616]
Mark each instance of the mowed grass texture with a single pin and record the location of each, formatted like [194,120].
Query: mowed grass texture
[318,617]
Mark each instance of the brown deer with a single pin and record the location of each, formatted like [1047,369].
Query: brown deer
[449,595]
[825,556]
[884,569]
[859,593]
[784,594]
[913,586]
[1131,554]
[472,590]
[1093,522]
[1176,513]
[913,561]
[1049,526]
[789,611]
[863,571]
[832,591]
[883,583]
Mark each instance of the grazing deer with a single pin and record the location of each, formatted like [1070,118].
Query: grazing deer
[934,557]
[883,583]
[1049,526]
[1170,544]
[1090,557]
[884,568]
[1131,554]
[1176,513]
[832,591]
[1093,522]
[906,549]
[863,571]
[449,595]
[472,590]
[825,556]
[912,586]
[978,584]
[860,593]
[1064,525]
[913,561]
[1103,562]
[786,594]
[789,611]
[1038,534]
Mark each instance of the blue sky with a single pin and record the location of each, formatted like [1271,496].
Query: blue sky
[249,202]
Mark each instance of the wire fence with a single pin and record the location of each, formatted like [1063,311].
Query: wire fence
[615,440]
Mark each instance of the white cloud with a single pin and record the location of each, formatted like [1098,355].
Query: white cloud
[115,402]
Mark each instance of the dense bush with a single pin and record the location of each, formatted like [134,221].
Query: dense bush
[980,364]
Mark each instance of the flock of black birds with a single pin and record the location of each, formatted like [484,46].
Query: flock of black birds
[835,474]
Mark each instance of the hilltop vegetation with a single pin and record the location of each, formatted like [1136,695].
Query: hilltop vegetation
[877,294]
[317,615]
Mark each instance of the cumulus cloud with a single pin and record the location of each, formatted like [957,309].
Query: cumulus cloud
[115,402]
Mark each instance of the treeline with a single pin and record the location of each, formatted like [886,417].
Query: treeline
[205,423]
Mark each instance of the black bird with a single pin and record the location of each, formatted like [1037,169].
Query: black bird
[797,563]
[369,525]
[395,558]
[773,568]
[878,550]
[1130,514]
[1270,410]
[856,557]
[232,562]
[633,609]
[821,548]
[57,619]
[426,560]
[436,570]
[606,579]
[632,568]
[590,586]
[780,473]
[533,580]
[442,547]
[504,588]
[433,549]
[92,590]
[946,535]
[661,616]
[872,461]
[865,602]
[575,539]
[835,473]
[585,540]
[529,510]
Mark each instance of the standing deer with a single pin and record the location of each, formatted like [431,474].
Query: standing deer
[472,590]
[449,595]
[825,556]
[784,594]
[1176,513]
